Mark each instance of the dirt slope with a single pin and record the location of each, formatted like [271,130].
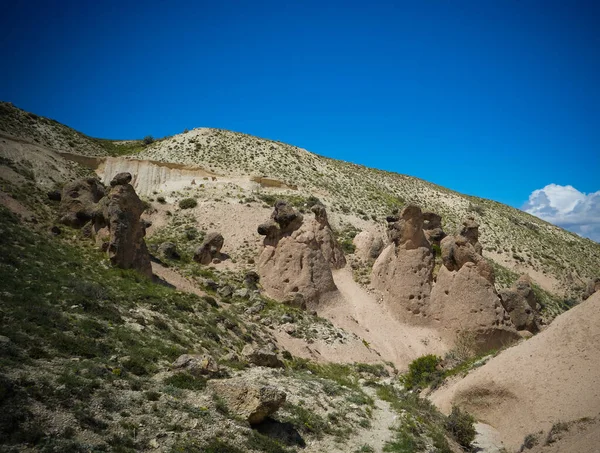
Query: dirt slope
[553,377]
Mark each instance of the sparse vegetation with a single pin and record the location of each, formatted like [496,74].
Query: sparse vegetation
[188,203]
[460,425]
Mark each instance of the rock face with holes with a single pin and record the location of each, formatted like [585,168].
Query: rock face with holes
[522,305]
[403,271]
[292,265]
[79,201]
[119,222]
[463,298]
[248,400]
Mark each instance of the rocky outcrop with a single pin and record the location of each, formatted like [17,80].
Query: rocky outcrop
[261,356]
[119,215]
[522,305]
[79,201]
[463,298]
[432,227]
[404,270]
[465,248]
[291,264]
[112,218]
[197,364]
[168,250]
[331,249]
[210,248]
[249,401]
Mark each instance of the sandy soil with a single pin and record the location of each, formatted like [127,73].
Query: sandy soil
[363,314]
[552,377]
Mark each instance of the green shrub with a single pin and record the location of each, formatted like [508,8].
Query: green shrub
[461,425]
[347,246]
[422,372]
[148,139]
[161,199]
[188,203]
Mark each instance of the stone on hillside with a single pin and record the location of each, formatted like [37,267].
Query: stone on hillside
[376,248]
[210,248]
[368,246]
[261,357]
[251,280]
[404,270]
[432,227]
[168,250]
[121,210]
[197,364]
[465,248]
[591,287]
[331,249]
[78,201]
[521,304]
[54,195]
[291,261]
[121,179]
[250,401]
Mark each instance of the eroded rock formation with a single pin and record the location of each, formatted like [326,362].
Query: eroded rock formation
[432,227]
[463,298]
[465,248]
[112,218]
[121,210]
[292,265]
[403,271]
[331,249]
[522,305]
[210,248]
[79,201]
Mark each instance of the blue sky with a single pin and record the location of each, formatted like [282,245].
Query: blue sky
[491,98]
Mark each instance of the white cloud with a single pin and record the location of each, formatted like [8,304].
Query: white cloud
[567,207]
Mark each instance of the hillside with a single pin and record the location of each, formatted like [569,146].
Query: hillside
[245,306]
[560,262]
[518,380]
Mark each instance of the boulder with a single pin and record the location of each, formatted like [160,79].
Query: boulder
[368,246]
[404,270]
[251,280]
[119,218]
[291,260]
[261,357]
[521,304]
[210,248]
[168,250]
[250,401]
[197,364]
[79,201]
